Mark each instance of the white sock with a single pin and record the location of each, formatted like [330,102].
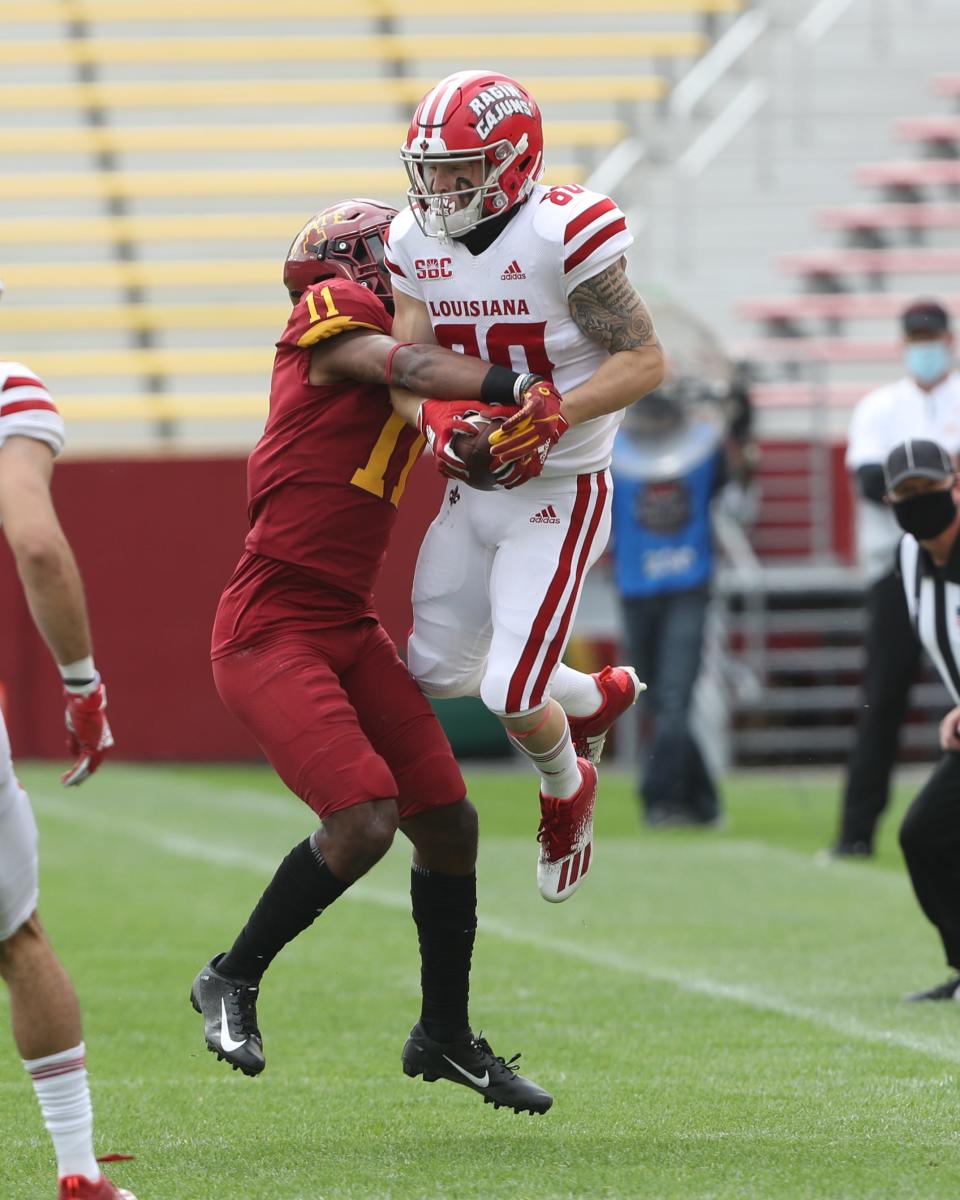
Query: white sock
[559,773]
[60,1081]
[576,693]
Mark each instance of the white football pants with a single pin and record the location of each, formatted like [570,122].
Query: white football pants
[497,586]
[18,847]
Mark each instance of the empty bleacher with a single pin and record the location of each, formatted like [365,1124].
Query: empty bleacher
[157,160]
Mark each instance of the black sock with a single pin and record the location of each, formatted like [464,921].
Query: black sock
[298,893]
[445,910]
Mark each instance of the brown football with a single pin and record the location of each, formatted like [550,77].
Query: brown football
[475,451]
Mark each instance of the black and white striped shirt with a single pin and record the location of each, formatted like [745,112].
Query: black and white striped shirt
[933,598]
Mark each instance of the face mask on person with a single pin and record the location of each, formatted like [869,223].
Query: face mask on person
[925,515]
[928,361]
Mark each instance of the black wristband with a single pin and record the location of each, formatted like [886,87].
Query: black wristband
[500,385]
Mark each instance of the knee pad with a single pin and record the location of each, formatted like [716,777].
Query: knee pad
[438,679]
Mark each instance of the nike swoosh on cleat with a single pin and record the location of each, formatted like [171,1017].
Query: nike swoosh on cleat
[226,1041]
[477,1080]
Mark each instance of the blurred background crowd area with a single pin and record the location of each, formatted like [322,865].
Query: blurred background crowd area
[790,172]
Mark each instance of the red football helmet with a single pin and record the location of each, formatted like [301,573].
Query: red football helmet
[486,124]
[344,241]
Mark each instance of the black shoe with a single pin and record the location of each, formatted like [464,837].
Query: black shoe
[943,991]
[472,1063]
[229,1008]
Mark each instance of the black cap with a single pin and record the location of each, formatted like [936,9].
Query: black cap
[916,458]
[925,316]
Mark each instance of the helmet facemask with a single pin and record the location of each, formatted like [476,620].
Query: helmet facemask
[446,214]
[344,241]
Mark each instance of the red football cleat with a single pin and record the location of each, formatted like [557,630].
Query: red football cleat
[620,687]
[79,1187]
[566,838]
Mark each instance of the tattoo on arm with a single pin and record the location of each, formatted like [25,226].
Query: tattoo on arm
[608,310]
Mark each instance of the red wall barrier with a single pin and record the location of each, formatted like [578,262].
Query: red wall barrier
[156,540]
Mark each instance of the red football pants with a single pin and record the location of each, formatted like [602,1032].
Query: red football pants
[341,720]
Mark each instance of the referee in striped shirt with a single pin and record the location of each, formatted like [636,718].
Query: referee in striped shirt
[924,491]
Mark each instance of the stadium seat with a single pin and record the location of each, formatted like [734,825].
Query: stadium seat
[36,12]
[142,123]
[819,350]
[289,93]
[834,306]
[836,264]
[913,173]
[854,217]
[84,364]
[806,395]
[66,318]
[177,227]
[119,274]
[937,129]
[314,186]
[159,406]
[189,139]
[305,48]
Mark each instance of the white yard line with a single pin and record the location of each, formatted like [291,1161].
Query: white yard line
[695,983]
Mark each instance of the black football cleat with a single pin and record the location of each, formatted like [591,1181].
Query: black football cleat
[229,1009]
[943,991]
[472,1063]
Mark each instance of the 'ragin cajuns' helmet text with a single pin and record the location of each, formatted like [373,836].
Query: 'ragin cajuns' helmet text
[344,241]
[489,125]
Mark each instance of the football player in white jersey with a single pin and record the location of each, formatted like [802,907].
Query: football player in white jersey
[487,261]
[43,1003]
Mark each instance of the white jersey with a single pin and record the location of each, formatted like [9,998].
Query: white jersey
[26,408]
[881,420]
[511,304]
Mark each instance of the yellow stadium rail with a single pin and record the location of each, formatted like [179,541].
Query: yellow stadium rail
[182,139]
[158,406]
[365,48]
[271,93]
[128,11]
[81,364]
[59,277]
[332,182]
[233,227]
[76,318]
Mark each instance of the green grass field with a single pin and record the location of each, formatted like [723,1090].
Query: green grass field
[716,1015]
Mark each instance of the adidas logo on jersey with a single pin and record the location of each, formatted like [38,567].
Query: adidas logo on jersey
[513,271]
[546,516]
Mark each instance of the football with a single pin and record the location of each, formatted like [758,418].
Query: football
[475,451]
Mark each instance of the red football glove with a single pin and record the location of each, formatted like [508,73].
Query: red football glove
[89,736]
[534,428]
[513,474]
[441,420]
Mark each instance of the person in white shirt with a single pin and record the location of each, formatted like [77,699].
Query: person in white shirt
[923,492]
[924,403]
[488,261]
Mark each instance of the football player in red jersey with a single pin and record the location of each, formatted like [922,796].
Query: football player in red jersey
[43,1004]
[301,659]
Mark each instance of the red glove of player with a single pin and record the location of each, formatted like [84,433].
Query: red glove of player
[513,474]
[441,420]
[89,736]
[535,427]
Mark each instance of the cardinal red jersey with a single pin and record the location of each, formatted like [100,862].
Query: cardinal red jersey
[323,483]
